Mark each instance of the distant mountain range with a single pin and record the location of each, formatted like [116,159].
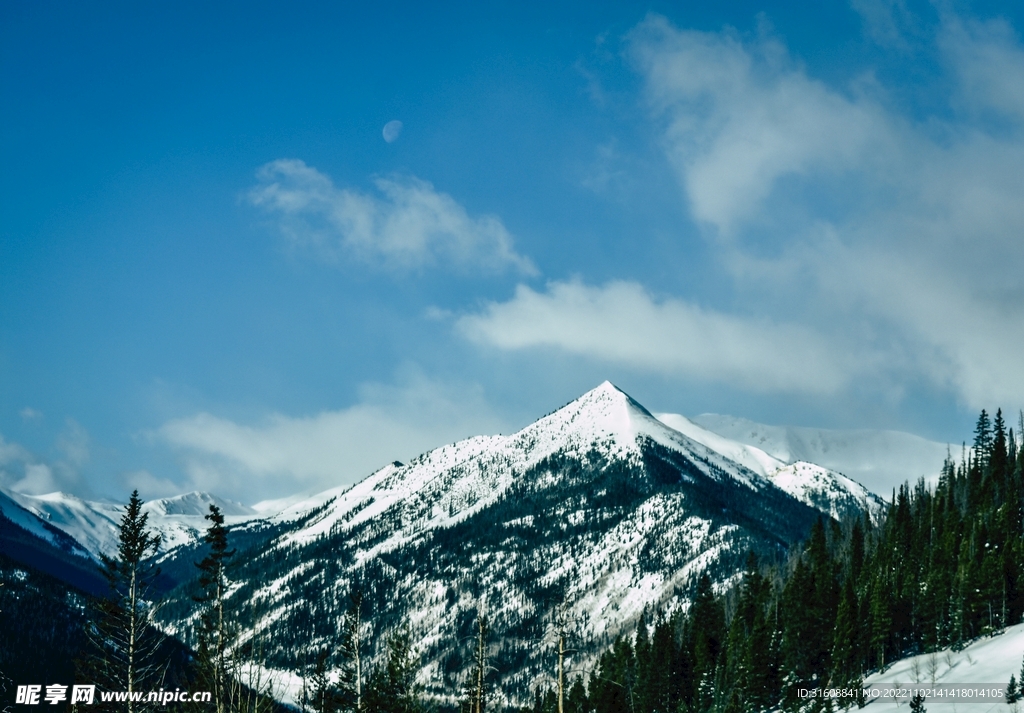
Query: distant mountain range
[600,511]
[178,521]
[806,462]
[880,460]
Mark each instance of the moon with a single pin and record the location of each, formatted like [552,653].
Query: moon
[391,130]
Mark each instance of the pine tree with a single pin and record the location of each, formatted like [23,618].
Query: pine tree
[704,640]
[881,619]
[749,657]
[845,659]
[998,456]
[982,436]
[325,696]
[215,632]
[661,666]
[124,643]
[576,701]
[393,686]
[917,704]
[350,679]
[1012,690]
[612,685]
[477,688]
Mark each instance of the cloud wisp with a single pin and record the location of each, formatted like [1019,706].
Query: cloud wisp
[875,246]
[621,323]
[283,454]
[25,472]
[406,225]
[30,415]
[829,197]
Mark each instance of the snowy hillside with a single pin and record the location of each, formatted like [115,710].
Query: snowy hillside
[465,477]
[94,525]
[37,527]
[618,421]
[598,505]
[819,487]
[880,460]
[181,520]
[983,664]
[604,415]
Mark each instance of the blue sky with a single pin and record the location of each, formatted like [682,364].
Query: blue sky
[216,273]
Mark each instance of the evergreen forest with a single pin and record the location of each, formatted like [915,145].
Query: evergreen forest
[945,566]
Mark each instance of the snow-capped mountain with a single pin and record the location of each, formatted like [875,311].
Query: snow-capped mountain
[180,520]
[881,460]
[821,488]
[37,527]
[598,510]
[94,525]
[25,540]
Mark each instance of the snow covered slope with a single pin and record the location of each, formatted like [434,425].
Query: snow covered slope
[29,541]
[985,663]
[604,414]
[94,525]
[750,456]
[463,478]
[181,520]
[829,491]
[881,460]
[598,504]
[38,527]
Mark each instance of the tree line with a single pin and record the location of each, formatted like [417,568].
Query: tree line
[125,651]
[945,566]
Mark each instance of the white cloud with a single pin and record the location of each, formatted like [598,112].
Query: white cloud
[987,59]
[150,487]
[841,212]
[407,225]
[25,472]
[38,479]
[29,414]
[12,453]
[886,21]
[621,323]
[739,119]
[284,454]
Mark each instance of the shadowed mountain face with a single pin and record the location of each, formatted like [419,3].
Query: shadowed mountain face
[597,510]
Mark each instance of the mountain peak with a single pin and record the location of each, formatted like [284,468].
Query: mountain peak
[605,413]
[606,386]
[196,503]
[605,401]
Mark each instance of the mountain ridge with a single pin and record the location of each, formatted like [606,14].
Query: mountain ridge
[94,525]
[598,505]
[879,459]
[822,488]
[605,413]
